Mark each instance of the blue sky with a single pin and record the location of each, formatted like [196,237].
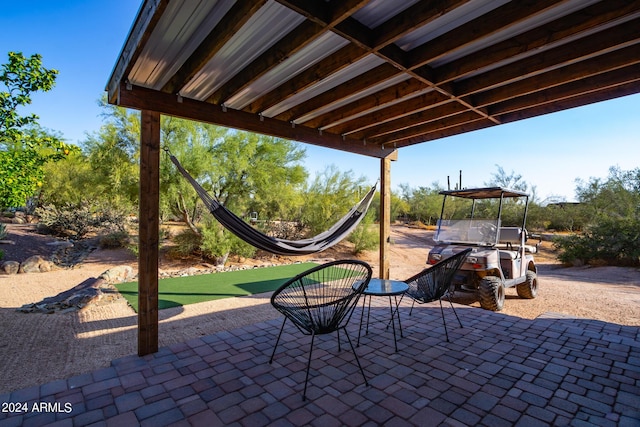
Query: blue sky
[83,38]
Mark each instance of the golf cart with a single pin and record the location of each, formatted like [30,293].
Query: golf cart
[500,258]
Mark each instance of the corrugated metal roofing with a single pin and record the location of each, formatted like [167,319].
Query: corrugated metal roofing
[316,51]
[388,72]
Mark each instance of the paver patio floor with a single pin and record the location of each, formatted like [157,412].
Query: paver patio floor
[497,370]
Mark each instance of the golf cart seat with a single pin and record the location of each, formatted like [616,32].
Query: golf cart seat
[509,241]
[510,235]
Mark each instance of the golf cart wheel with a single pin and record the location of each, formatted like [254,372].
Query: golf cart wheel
[528,289]
[491,293]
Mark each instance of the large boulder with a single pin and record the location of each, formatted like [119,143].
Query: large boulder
[119,274]
[36,264]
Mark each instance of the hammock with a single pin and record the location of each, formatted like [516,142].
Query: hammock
[246,232]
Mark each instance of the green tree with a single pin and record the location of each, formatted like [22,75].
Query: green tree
[612,232]
[328,197]
[398,207]
[512,181]
[423,203]
[105,172]
[24,146]
[246,172]
[513,209]
[366,235]
[113,153]
[69,182]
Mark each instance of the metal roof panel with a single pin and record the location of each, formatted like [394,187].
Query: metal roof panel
[446,67]
[317,50]
[344,75]
[179,32]
[265,28]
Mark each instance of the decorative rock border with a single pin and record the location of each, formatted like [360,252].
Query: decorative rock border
[101,290]
[66,255]
[90,291]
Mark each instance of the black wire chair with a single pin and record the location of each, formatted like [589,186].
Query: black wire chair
[321,300]
[435,283]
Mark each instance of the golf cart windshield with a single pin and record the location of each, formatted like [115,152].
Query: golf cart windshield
[483,232]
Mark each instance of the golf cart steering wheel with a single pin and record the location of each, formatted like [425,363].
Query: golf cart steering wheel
[488,230]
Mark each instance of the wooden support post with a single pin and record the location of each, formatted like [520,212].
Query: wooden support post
[385,216]
[148,236]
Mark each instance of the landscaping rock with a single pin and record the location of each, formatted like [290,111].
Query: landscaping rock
[69,254]
[10,267]
[119,274]
[36,264]
[73,299]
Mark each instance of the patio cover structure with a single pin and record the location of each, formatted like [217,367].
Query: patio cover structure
[363,76]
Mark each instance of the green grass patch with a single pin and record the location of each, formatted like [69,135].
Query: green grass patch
[178,291]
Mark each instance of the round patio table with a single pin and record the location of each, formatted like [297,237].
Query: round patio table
[384,288]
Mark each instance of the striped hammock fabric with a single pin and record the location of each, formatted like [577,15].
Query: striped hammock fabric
[254,237]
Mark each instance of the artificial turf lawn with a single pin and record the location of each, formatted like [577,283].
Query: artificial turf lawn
[177,291]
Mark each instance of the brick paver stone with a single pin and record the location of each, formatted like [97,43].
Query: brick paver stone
[498,370]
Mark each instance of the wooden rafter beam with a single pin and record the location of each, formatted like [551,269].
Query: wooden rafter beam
[380,73]
[443,109]
[499,19]
[146,99]
[378,41]
[391,116]
[415,16]
[416,131]
[289,45]
[326,14]
[599,82]
[600,95]
[553,33]
[447,131]
[575,72]
[312,75]
[300,37]
[551,101]
[595,45]
[383,98]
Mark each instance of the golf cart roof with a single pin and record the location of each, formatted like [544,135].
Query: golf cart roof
[485,193]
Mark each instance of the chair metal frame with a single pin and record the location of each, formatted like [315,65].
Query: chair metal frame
[321,300]
[435,283]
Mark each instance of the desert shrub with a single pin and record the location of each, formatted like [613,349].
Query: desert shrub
[165,234]
[1,254]
[612,231]
[612,241]
[3,231]
[213,243]
[421,225]
[73,221]
[134,248]
[77,220]
[241,248]
[111,218]
[115,240]
[186,243]
[218,244]
[364,237]
[573,249]
[291,230]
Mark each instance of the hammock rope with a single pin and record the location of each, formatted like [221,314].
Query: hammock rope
[254,237]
